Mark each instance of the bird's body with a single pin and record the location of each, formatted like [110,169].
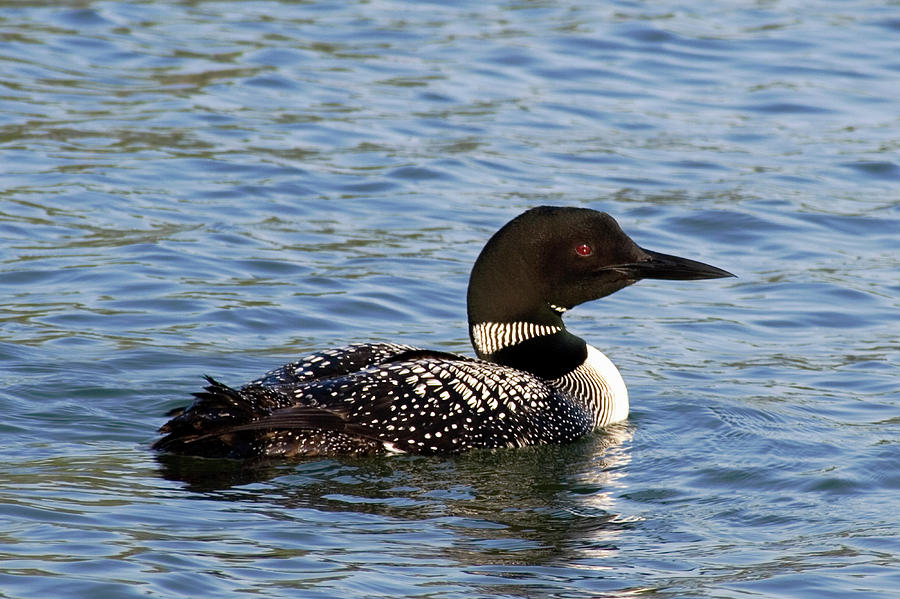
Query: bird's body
[533,382]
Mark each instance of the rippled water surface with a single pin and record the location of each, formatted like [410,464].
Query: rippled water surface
[218,187]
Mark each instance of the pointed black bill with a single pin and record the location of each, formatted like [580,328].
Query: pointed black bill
[664,266]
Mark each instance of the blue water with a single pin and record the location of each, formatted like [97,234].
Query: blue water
[219,187]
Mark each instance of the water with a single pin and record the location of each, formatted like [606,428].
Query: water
[218,187]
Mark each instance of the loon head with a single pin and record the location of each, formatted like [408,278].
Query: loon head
[549,259]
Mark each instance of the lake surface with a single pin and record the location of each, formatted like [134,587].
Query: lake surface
[218,187]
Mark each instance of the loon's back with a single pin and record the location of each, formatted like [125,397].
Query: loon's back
[534,382]
[376,398]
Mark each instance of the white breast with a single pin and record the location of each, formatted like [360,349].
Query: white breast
[599,385]
[615,385]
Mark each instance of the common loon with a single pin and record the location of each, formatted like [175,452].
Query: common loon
[533,383]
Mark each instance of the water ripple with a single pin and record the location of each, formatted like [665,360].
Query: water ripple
[217,187]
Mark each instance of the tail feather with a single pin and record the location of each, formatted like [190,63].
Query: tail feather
[210,426]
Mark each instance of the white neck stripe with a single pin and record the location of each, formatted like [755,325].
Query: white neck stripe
[491,337]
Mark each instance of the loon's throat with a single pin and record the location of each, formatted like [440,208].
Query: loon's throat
[546,351]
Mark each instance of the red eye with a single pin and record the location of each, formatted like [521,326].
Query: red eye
[584,249]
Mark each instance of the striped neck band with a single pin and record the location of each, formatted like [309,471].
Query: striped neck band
[491,337]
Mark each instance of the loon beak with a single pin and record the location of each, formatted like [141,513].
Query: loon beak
[664,266]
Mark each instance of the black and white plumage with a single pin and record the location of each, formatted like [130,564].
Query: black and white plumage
[533,382]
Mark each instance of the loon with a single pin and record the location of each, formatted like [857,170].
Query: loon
[533,381]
